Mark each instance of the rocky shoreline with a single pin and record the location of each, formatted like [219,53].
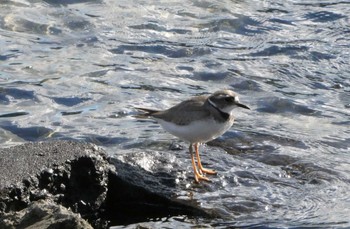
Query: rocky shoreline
[66,184]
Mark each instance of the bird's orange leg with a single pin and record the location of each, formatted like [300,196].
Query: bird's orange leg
[201,169]
[197,175]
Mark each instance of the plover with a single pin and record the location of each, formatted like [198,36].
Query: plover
[198,120]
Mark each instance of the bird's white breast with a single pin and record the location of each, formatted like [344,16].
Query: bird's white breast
[197,131]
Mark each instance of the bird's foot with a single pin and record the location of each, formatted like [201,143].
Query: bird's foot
[207,171]
[198,177]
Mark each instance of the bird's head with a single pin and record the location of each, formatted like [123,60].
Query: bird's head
[225,101]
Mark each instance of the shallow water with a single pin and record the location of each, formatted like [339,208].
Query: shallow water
[74,69]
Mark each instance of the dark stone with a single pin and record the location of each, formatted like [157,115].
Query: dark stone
[20,162]
[45,185]
[44,214]
[136,195]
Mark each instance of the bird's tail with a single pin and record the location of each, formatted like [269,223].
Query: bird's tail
[146,112]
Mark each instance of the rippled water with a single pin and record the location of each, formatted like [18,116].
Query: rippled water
[74,69]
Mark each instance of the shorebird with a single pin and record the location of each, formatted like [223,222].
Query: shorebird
[198,120]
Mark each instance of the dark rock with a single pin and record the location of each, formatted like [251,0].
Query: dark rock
[137,195]
[175,146]
[28,159]
[44,214]
[80,168]
[46,184]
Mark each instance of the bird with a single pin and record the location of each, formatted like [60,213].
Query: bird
[198,120]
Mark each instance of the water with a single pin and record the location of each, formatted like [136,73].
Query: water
[74,69]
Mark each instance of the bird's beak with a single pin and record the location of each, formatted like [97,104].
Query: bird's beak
[242,105]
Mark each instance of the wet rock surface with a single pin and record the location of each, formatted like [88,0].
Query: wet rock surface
[44,214]
[65,184]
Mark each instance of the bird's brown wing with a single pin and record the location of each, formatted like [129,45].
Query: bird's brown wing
[184,112]
[146,112]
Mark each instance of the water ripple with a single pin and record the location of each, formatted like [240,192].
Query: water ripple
[323,16]
[9,94]
[242,25]
[33,133]
[163,50]
[281,105]
[13,114]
